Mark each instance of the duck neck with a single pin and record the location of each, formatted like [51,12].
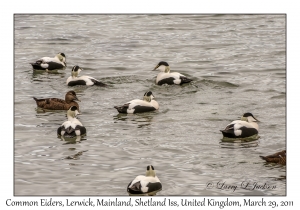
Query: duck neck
[150,173]
[147,98]
[70,115]
[74,75]
[68,99]
[167,69]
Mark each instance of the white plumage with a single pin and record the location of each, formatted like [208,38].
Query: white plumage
[243,128]
[145,185]
[82,80]
[137,105]
[72,127]
[166,77]
[47,63]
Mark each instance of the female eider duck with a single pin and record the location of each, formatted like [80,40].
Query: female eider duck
[82,80]
[279,157]
[72,127]
[138,105]
[47,63]
[165,77]
[58,104]
[145,185]
[243,128]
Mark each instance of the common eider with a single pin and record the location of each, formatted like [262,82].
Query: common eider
[72,127]
[58,104]
[137,105]
[279,157]
[82,80]
[243,128]
[165,77]
[145,185]
[47,63]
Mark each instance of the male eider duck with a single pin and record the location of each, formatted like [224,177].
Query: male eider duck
[165,77]
[138,105]
[47,63]
[145,185]
[82,80]
[72,127]
[243,128]
[58,104]
[279,157]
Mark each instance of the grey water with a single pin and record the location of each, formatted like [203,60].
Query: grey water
[237,63]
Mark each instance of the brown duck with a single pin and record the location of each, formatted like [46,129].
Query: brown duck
[279,157]
[58,104]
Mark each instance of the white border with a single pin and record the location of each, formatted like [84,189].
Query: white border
[8,8]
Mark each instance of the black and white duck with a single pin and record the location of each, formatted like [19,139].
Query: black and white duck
[82,80]
[167,77]
[245,127]
[137,105]
[72,127]
[48,64]
[145,185]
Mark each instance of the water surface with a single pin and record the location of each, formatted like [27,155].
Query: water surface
[237,63]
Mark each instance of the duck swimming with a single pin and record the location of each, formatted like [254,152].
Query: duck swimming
[243,128]
[145,185]
[138,105]
[47,63]
[58,104]
[72,127]
[82,80]
[279,157]
[165,77]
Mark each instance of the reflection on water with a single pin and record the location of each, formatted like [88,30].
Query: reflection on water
[238,144]
[72,140]
[237,63]
[141,119]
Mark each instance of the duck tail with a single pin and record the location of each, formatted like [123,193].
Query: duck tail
[98,83]
[263,157]
[185,80]
[228,133]
[35,98]
[121,109]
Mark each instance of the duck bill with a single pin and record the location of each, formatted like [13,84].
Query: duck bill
[77,99]
[155,67]
[256,119]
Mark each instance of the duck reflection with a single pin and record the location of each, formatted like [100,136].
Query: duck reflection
[239,143]
[141,119]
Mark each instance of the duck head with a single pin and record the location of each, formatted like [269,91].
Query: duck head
[75,71]
[150,171]
[71,96]
[62,58]
[248,117]
[72,112]
[162,66]
[148,96]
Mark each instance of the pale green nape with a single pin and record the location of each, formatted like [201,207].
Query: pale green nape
[71,113]
[150,172]
[244,119]
[147,98]
[60,57]
[75,73]
[167,69]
